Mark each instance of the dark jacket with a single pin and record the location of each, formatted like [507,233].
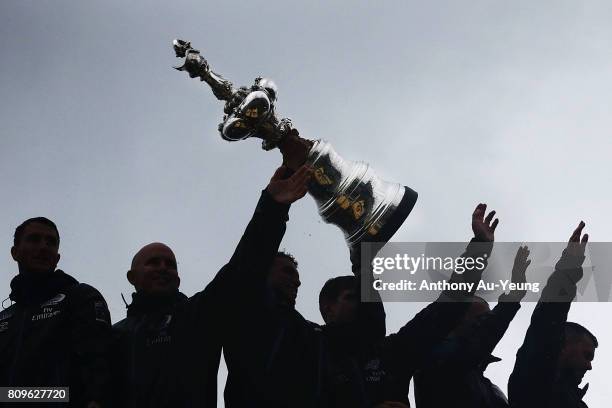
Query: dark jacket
[168,349]
[457,364]
[166,353]
[56,334]
[276,358]
[533,382]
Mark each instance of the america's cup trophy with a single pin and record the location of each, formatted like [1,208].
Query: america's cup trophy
[348,194]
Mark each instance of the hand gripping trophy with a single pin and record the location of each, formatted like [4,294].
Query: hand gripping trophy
[348,194]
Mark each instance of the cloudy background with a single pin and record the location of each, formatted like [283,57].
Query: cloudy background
[506,103]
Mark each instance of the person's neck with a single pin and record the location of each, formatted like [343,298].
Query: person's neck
[33,275]
[153,301]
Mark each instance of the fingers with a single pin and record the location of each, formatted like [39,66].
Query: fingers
[299,180]
[521,257]
[302,175]
[479,211]
[520,265]
[301,172]
[279,174]
[522,253]
[301,191]
[495,224]
[577,232]
[585,239]
[489,218]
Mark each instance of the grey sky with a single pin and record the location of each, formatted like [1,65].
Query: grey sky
[501,102]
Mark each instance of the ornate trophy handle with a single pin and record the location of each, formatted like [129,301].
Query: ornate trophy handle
[249,111]
[348,194]
[197,66]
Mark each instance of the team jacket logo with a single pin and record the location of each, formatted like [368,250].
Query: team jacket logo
[54,300]
[373,364]
[4,320]
[48,310]
[162,337]
[374,371]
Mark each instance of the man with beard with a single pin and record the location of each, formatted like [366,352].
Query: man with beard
[57,332]
[167,350]
[457,363]
[556,353]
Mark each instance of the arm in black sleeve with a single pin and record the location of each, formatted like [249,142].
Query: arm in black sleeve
[257,247]
[262,237]
[536,360]
[479,340]
[370,324]
[413,342]
[475,250]
[90,337]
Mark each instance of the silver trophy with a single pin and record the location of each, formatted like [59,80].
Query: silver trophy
[348,194]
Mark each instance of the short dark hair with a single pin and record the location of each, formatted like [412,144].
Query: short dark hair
[38,220]
[575,330]
[285,254]
[476,298]
[334,287]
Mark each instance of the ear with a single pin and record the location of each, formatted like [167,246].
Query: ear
[130,277]
[14,253]
[326,310]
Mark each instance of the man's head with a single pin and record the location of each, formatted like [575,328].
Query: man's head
[284,279]
[478,306]
[154,270]
[36,245]
[339,300]
[577,353]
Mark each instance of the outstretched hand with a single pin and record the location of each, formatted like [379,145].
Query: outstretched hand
[519,269]
[576,246]
[288,190]
[484,230]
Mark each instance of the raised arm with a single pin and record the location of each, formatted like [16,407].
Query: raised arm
[476,341]
[370,323]
[480,245]
[536,360]
[414,341]
[264,233]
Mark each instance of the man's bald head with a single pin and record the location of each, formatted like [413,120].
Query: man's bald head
[142,252]
[154,270]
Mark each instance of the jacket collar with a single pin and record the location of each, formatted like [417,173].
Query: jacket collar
[490,359]
[35,288]
[582,391]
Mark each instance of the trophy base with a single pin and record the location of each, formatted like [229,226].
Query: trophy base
[396,220]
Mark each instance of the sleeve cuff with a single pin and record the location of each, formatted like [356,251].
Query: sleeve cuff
[267,205]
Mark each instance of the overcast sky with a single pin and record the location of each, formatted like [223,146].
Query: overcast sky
[506,103]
